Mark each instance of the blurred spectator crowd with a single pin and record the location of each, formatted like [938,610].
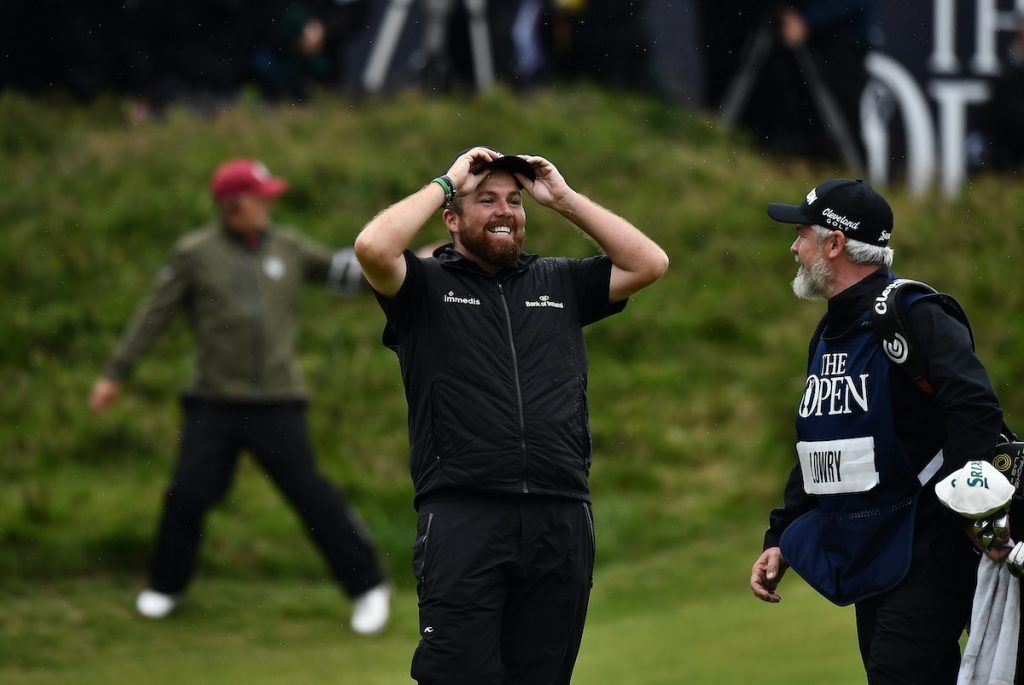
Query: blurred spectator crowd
[200,51]
[790,73]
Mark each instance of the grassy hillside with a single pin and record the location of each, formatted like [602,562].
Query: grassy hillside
[692,387]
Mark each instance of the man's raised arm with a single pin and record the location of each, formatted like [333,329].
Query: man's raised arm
[379,246]
[637,261]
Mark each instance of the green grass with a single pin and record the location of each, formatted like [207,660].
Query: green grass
[692,388]
[645,627]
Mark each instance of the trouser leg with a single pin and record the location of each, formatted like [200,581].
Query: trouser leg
[547,607]
[464,556]
[208,453]
[911,634]
[278,437]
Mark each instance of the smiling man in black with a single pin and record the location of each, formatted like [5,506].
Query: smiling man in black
[493,359]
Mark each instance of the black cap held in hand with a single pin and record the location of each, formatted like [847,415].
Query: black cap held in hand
[853,207]
[510,163]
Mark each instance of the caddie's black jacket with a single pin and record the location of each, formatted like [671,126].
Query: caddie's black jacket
[962,417]
[495,372]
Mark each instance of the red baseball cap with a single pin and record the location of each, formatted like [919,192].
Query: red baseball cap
[238,176]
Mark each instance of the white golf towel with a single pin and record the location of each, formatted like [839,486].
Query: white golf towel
[990,657]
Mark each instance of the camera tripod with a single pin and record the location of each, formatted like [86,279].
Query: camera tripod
[435,41]
[756,53]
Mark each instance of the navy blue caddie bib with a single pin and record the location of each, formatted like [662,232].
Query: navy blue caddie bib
[857,542]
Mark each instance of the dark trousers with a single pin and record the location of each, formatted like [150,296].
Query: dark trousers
[910,635]
[503,588]
[276,434]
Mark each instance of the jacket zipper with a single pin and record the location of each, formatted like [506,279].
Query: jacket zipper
[519,390]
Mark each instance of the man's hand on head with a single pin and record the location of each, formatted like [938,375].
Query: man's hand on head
[550,188]
[466,172]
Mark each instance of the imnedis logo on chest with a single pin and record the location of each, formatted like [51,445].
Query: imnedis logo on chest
[451,298]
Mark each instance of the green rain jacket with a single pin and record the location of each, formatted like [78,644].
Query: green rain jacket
[242,303]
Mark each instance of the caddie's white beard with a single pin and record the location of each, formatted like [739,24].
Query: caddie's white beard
[811,282]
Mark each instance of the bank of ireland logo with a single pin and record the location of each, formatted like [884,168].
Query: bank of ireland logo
[896,349]
[544,301]
[812,196]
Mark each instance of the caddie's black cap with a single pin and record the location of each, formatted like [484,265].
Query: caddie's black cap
[510,163]
[853,207]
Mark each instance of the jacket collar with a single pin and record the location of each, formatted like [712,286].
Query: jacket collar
[450,258]
[848,306]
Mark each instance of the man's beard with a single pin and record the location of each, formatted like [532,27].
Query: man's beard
[496,251]
[811,282]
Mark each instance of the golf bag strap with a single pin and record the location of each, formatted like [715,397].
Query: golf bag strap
[931,468]
[888,318]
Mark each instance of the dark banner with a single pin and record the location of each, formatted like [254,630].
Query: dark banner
[931,87]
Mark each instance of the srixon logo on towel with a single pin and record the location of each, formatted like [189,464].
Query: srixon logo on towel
[976,477]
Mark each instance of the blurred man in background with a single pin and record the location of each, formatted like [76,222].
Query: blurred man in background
[494,364]
[860,521]
[239,283]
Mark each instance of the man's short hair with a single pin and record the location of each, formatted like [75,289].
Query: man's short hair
[859,252]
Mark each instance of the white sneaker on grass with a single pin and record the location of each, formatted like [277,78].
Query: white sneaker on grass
[153,604]
[370,610]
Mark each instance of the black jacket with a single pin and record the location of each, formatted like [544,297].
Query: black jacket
[495,372]
[962,417]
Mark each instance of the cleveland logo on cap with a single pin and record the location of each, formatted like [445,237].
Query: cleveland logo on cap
[850,206]
[838,220]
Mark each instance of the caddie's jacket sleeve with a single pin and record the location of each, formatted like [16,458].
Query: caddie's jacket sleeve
[963,394]
[961,417]
[153,315]
[795,503]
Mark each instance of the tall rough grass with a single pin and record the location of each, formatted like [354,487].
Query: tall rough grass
[692,387]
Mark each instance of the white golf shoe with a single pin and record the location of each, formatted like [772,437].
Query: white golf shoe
[153,604]
[370,610]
